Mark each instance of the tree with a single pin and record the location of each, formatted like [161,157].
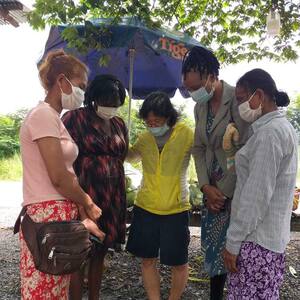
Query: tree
[9,133]
[293,114]
[296,102]
[137,125]
[17,119]
[235,30]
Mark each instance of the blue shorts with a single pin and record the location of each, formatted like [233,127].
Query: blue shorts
[166,236]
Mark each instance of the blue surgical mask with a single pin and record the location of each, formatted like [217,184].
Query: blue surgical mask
[159,131]
[201,95]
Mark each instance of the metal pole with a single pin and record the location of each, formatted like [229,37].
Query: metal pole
[131,61]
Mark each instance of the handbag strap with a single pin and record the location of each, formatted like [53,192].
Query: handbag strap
[18,221]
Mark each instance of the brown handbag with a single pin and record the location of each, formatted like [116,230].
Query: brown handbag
[57,247]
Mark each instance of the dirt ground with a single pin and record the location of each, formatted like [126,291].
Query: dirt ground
[122,279]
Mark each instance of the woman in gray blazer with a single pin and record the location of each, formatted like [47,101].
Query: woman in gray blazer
[215,108]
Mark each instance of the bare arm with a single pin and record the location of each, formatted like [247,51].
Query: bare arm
[134,152]
[65,182]
[90,225]
[133,155]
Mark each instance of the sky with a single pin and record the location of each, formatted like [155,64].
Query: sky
[22,47]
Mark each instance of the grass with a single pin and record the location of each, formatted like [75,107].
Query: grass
[11,168]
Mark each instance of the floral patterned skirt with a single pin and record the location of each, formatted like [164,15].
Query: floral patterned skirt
[36,285]
[260,274]
[213,238]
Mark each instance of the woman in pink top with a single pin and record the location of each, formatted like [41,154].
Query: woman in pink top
[50,187]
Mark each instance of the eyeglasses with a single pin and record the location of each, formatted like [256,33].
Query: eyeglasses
[155,123]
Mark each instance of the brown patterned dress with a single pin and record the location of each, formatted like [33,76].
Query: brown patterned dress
[99,167]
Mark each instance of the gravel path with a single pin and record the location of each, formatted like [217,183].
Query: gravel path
[122,278]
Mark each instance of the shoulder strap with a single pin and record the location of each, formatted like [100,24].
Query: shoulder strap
[18,221]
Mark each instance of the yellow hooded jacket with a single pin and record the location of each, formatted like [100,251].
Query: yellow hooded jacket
[160,191]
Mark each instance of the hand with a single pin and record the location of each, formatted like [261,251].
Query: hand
[230,140]
[93,211]
[215,198]
[93,228]
[230,261]
[213,206]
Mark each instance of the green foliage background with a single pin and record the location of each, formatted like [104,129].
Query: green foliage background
[10,162]
[293,114]
[234,30]
[9,133]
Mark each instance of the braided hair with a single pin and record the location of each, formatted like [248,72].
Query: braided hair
[201,60]
[105,90]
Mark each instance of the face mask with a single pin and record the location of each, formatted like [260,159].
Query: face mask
[73,100]
[107,113]
[159,131]
[247,113]
[201,95]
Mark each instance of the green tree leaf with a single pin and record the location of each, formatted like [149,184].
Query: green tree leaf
[235,30]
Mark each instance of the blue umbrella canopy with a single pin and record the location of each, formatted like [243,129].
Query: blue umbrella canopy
[144,59]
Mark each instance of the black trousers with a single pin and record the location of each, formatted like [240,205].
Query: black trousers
[217,284]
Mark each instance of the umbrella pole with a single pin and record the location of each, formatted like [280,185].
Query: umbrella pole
[131,61]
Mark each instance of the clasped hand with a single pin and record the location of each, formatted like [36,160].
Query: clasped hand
[215,198]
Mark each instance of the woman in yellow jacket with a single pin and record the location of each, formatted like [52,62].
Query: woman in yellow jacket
[160,221]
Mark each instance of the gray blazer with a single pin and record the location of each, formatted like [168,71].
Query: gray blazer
[206,147]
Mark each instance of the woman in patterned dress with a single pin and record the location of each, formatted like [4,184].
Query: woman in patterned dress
[102,140]
[215,108]
[50,188]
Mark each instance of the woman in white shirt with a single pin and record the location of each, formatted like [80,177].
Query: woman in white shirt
[262,204]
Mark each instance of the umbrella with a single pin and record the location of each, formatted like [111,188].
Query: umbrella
[143,59]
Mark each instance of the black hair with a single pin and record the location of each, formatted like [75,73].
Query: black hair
[201,60]
[260,79]
[105,90]
[160,104]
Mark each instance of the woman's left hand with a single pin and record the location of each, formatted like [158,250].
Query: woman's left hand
[93,228]
[230,261]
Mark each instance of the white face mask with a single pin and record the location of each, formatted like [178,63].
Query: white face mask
[106,112]
[247,113]
[73,100]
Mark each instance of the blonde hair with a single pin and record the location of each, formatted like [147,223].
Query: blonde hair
[58,62]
